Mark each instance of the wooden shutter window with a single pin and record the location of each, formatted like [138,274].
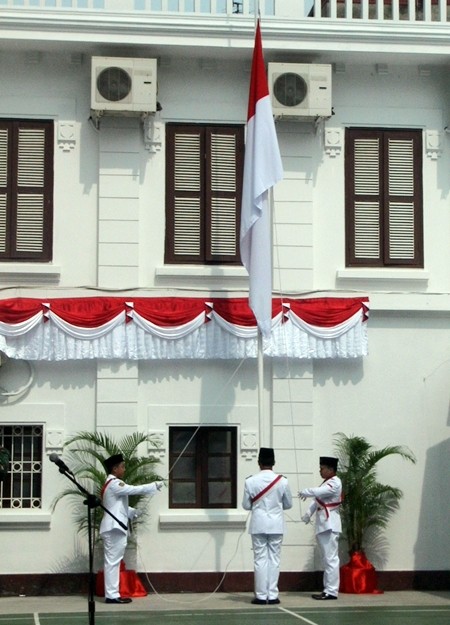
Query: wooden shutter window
[384,198]
[222,195]
[367,198]
[401,231]
[26,190]
[30,178]
[4,135]
[187,199]
[203,188]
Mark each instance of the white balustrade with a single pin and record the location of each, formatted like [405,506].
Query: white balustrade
[430,11]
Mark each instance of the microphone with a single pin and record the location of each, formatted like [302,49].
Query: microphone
[59,463]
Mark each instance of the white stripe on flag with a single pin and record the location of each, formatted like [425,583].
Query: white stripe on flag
[262,170]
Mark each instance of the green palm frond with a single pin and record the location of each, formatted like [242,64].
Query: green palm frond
[367,503]
[85,453]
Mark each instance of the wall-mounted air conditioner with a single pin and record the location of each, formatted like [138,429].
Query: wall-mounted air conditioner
[300,91]
[122,85]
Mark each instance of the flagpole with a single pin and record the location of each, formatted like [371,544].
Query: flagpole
[261,412]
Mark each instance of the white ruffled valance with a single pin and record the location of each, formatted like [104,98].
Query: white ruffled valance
[179,328]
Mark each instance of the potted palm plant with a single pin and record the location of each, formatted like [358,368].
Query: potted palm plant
[85,453]
[367,506]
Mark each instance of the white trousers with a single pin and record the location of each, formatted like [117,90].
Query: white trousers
[266,557]
[114,545]
[329,546]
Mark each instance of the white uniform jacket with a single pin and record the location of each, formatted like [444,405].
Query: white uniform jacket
[115,499]
[267,511]
[328,497]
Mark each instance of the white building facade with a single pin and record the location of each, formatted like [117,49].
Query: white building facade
[107,212]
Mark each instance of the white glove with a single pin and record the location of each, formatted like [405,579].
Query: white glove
[302,495]
[159,485]
[306,519]
[137,514]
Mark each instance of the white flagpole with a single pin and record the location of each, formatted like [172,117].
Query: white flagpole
[261,412]
[264,408]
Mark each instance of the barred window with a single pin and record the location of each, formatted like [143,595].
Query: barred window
[22,487]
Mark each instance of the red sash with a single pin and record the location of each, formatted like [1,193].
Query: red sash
[102,492]
[325,506]
[266,489]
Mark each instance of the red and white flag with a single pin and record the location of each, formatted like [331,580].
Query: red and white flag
[262,170]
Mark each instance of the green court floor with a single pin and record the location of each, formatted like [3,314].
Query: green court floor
[255,615]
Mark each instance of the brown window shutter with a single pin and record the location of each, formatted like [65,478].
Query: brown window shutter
[184,184]
[383,198]
[4,162]
[224,150]
[203,189]
[26,190]
[403,232]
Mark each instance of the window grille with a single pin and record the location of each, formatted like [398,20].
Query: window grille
[22,488]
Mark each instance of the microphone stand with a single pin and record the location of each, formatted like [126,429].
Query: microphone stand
[92,502]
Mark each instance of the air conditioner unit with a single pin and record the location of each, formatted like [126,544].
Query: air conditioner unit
[123,86]
[300,91]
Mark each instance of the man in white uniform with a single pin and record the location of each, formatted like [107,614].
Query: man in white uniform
[115,535]
[327,499]
[266,494]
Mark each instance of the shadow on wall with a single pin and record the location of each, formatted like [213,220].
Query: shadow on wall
[433,541]
[342,373]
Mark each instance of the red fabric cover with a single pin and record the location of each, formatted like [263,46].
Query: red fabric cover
[237,311]
[91,312]
[87,312]
[359,576]
[327,311]
[169,311]
[19,309]
[130,585]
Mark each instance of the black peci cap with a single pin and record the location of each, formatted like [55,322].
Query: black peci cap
[266,456]
[111,462]
[329,462]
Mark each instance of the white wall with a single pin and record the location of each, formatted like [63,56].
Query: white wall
[398,394]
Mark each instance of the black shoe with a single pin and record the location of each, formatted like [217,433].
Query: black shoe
[323,597]
[257,601]
[274,601]
[119,600]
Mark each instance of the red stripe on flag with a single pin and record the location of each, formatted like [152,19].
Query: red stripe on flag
[258,82]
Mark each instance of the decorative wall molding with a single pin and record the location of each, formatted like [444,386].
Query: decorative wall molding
[66,136]
[152,134]
[54,441]
[334,141]
[160,438]
[249,445]
[433,144]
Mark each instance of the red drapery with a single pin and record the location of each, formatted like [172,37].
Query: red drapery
[92,312]
[151,328]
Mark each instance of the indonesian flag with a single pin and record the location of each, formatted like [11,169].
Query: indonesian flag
[262,169]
